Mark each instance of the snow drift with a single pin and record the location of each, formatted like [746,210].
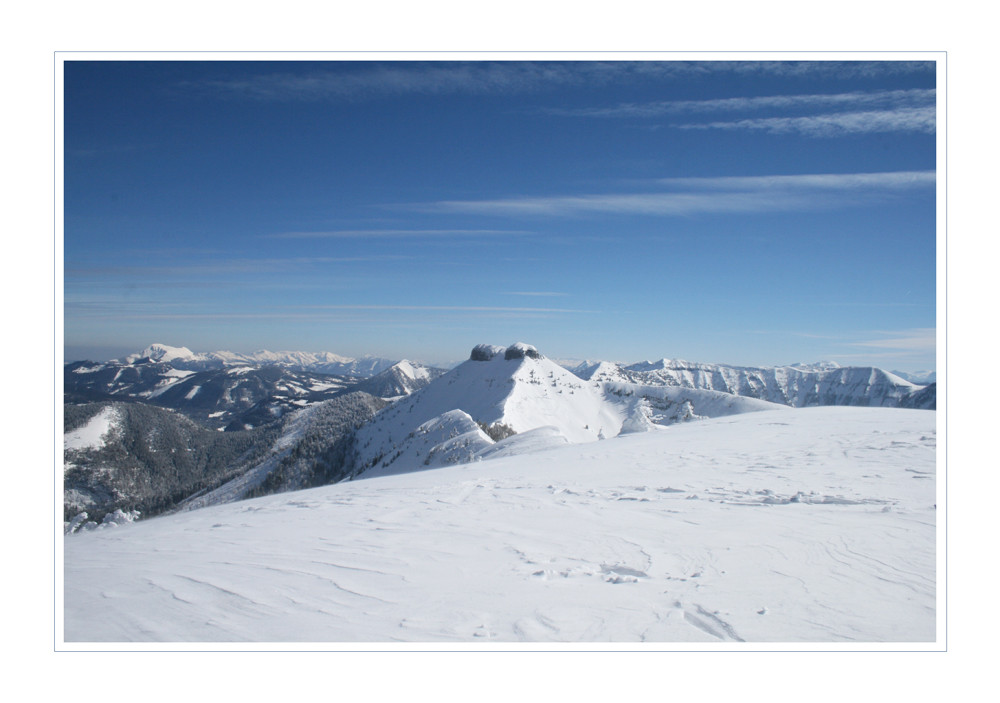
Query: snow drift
[812,525]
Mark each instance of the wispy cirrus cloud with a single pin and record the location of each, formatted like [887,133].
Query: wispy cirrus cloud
[915,119]
[690,196]
[365,80]
[895,99]
[891,180]
[358,81]
[156,310]
[454,308]
[921,339]
[221,267]
[396,233]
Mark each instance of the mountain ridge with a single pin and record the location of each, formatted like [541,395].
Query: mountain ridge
[320,362]
[501,401]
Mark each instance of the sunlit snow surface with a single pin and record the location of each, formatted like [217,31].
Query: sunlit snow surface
[812,525]
[93,434]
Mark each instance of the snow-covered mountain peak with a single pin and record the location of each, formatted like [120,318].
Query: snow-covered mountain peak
[515,391]
[599,371]
[162,353]
[411,370]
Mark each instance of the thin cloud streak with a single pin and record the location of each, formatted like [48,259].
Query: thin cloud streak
[233,266]
[452,308]
[892,180]
[709,195]
[317,312]
[402,233]
[886,98]
[429,78]
[913,340]
[916,119]
[352,82]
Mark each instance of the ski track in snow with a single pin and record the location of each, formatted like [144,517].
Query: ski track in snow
[800,526]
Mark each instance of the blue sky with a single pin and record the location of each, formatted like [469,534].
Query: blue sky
[737,212]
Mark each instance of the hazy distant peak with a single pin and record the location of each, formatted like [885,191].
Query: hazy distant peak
[161,352]
[817,366]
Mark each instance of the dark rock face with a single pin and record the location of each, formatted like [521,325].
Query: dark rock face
[924,399]
[520,351]
[484,352]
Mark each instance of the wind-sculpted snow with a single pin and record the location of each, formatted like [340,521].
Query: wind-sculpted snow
[812,525]
[450,438]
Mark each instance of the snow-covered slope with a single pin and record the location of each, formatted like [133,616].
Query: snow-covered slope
[813,525]
[310,450]
[95,433]
[232,397]
[503,391]
[162,353]
[136,456]
[402,378]
[513,390]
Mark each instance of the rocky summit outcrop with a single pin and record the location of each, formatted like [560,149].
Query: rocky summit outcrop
[520,350]
[484,352]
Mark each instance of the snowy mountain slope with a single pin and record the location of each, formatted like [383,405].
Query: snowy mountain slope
[96,431]
[502,391]
[650,406]
[602,371]
[801,385]
[85,380]
[162,353]
[813,525]
[135,456]
[402,378]
[924,399]
[514,388]
[234,397]
[310,450]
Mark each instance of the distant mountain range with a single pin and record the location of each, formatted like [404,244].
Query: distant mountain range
[797,386]
[237,392]
[167,429]
[316,362]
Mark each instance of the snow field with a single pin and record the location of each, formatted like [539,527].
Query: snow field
[814,525]
[92,435]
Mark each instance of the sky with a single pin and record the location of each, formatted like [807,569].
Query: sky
[740,212]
